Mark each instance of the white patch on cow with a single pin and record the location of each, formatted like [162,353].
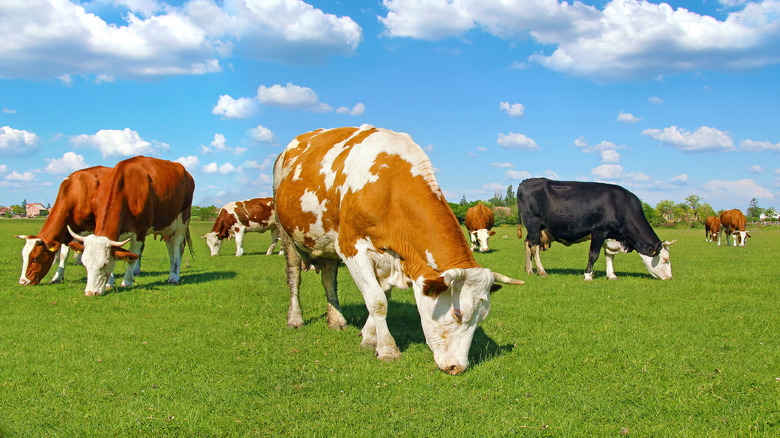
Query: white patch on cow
[214,243]
[99,262]
[742,237]
[482,236]
[431,260]
[29,244]
[660,265]
[297,174]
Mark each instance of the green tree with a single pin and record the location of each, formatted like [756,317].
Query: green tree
[652,216]
[204,213]
[665,209]
[18,209]
[705,211]
[511,199]
[753,210]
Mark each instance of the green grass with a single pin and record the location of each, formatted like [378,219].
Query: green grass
[695,356]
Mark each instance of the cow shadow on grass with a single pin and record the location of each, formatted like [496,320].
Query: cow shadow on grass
[596,274]
[403,321]
[185,279]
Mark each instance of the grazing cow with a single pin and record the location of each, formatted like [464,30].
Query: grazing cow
[368,197]
[573,212]
[238,217]
[140,196]
[479,222]
[72,208]
[712,229]
[733,222]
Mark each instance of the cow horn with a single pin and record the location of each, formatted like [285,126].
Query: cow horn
[453,274]
[501,278]
[22,236]
[666,243]
[116,244]
[75,236]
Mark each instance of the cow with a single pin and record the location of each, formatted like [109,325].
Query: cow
[73,208]
[140,196]
[572,212]
[733,222]
[712,229]
[238,217]
[368,197]
[479,222]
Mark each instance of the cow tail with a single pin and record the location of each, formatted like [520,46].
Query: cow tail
[188,239]
[519,225]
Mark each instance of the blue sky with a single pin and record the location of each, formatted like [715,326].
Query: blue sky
[667,100]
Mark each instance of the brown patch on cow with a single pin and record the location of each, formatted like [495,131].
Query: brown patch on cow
[479,217]
[434,287]
[732,220]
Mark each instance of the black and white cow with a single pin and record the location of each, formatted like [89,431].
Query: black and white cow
[571,212]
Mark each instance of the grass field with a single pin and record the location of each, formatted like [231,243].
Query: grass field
[698,355]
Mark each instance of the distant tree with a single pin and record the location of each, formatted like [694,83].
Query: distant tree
[463,200]
[24,204]
[705,211]
[694,202]
[511,199]
[665,209]
[498,200]
[204,213]
[652,215]
[18,210]
[753,210]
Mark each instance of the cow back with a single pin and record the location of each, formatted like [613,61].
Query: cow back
[734,220]
[73,205]
[479,217]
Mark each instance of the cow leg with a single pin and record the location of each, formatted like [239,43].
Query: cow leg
[329,271]
[129,278]
[240,241]
[611,247]
[533,251]
[362,270]
[176,252]
[61,258]
[293,271]
[593,255]
[473,237]
[538,260]
[274,239]
[529,267]
[137,263]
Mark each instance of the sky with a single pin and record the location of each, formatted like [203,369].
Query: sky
[666,99]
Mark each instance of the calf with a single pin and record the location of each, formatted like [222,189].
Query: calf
[712,229]
[239,217]
[368,197]
[572,212]
[479,222]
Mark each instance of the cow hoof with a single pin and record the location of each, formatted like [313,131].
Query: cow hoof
[542,274]
[612,277]
[339,324]
[368,343]
[388,354]
[295,323]
[55,281]
[173,281]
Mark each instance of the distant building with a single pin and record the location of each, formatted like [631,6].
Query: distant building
[34,209]
[766,217]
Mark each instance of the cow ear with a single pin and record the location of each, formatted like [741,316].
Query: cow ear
[492,233]
[76,246]
[53,246]
[123,254]
[434,287]
[494,287]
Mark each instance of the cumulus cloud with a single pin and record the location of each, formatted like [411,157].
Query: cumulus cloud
[514,110]
[702,139]
[627,118]
[219,145]
[624,40]
[119,143]
[755,169]
[738,192]
[655,100]
[16,176]
[606,150]
[229,108]
[759,146]
[518,175]
[17,143]
[610,156]
[358,110]
[69,163]
[517,141]
[9,111]
[157,39]
[224,169]
[190,162]
[289,96]
[262,134]
[608,172]
[679,179]
[504,164]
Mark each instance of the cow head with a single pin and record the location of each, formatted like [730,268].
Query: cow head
[37,258]
[99,258]
[481,236]
[740,237]
[451,307]
[659,264]
[213,241]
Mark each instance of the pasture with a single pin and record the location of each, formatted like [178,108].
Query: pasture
[698,355]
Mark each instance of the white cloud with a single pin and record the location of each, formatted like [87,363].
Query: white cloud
[755,169]
[119,143]
[219,145]
[358,110]
[610,156]
[504,164]
[608,172]
[600,148]
[210,168]
[262,134]
[228,168]
[290,96]
[517,141]
[16,142]
[627,118]
[656,100]
[9,111]
[229,108]
[735,194]
[627,39]
[759,146]
[680,179]
[518,175]
[4,168]
[482,149]
[157,40]
[550,174]
[190,162]
[254,165]
[69,163]
[16,176]
[703,139]
[514,110]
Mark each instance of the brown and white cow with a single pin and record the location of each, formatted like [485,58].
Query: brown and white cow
[712,229]
[479,222]
[239,217]
[733,222]
[73,208]
[368,197]
[140,196]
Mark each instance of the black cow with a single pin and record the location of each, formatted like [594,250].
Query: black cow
[571,212]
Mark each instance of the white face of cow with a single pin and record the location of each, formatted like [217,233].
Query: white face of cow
[660,265]
[450,319]
[214,243]
[740,236]
[99,261]
[481,236]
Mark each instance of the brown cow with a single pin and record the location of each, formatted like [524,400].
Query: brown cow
[140,196]
[72,208]
[238,217]
[479,222]
[712,229]
[361,196]
[733,222]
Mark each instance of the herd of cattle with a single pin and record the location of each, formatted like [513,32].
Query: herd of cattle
[355,196]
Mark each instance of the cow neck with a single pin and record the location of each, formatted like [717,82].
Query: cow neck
[113,209]
[642,237]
